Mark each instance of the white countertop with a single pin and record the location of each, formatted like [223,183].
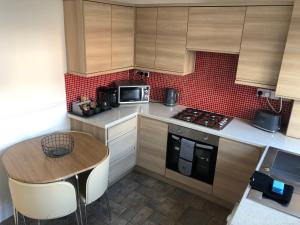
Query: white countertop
[238,129]
[248,212]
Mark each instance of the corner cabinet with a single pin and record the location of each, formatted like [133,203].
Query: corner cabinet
[121,141]
[235,164]
[99,37]
[145,37]
[263,42]
[289,78]
[215,29]
[152,145]
[161,40]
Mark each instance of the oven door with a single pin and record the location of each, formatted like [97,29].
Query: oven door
[204,162]
[130,94]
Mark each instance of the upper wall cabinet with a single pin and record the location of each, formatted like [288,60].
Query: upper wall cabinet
[171,53]
[263,44]
[145,38]
[289,78]
[99,37]
[215,29]
[122,36]
[161,40]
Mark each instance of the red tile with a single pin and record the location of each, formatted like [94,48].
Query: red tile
[211,87]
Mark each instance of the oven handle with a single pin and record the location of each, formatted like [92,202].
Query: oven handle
[175,137]
[204,146]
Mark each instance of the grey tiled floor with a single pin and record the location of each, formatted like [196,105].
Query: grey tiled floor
[138,199]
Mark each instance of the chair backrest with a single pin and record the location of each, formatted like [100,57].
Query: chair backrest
[97,181]
[43,201]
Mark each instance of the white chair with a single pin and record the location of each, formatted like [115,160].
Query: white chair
[43,201]
[93,185]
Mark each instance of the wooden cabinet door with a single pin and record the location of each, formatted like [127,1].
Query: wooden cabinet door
[152,149]
[263,43]
[145,37]
[122,36]
[289,79]
[215,29]
[235,164]
[97,21]
[171,38]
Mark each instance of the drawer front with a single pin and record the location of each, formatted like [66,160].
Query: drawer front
[121,146]
[120,167]
[121,129]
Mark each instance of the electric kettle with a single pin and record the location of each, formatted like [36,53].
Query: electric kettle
[171,97]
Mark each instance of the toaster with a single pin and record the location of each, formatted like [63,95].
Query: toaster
[267,120]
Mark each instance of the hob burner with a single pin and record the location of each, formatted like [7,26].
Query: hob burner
[204,118]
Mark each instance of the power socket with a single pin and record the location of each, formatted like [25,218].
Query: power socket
[143,73]
[265,93]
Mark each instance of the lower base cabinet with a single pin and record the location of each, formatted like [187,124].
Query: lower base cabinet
[152,145]
[235,164]
[119,168]
[121,141]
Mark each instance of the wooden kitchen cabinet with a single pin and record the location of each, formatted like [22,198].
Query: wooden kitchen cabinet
[289,79]
[161,41]
[97,30]
[262,47]
[215,29]
[236,162]
[121,141]
[99,37]
[171,53]
[123,19]
[294,122]
[152,145]
[145,37]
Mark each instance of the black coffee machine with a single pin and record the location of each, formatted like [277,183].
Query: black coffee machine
[107,98]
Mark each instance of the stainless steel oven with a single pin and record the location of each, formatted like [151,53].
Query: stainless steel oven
[132,91]
[192,153]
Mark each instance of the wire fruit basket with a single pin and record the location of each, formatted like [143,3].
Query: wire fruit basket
[57,144]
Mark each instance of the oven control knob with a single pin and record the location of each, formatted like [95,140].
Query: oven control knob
[205,138]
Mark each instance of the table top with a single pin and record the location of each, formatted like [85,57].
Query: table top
[26,161]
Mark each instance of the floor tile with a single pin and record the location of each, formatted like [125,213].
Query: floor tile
[138,199]
[194,217]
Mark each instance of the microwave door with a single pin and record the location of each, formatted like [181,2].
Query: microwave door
[130,94]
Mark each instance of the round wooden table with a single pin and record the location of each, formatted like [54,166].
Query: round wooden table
[27,162]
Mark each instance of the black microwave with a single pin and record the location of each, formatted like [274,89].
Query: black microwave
[132,91]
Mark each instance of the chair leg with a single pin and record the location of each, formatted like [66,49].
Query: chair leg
[85,213]
[77,220]
[16,216]
[78,199]
[24,220]
[108,206]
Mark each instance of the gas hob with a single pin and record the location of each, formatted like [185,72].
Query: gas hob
[203,118]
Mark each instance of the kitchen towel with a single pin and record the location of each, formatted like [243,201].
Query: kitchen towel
[187,149]
[185,167]
[262,182]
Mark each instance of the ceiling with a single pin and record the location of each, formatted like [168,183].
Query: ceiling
[206,2]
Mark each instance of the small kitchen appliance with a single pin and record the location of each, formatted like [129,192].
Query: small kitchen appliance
[103,98]
[171,97]
[203,118]
[267,121]
[132,91]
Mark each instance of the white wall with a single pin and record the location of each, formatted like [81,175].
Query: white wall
[32,67]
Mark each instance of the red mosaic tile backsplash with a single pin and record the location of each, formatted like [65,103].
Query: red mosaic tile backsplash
[211,87]
[82,86]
